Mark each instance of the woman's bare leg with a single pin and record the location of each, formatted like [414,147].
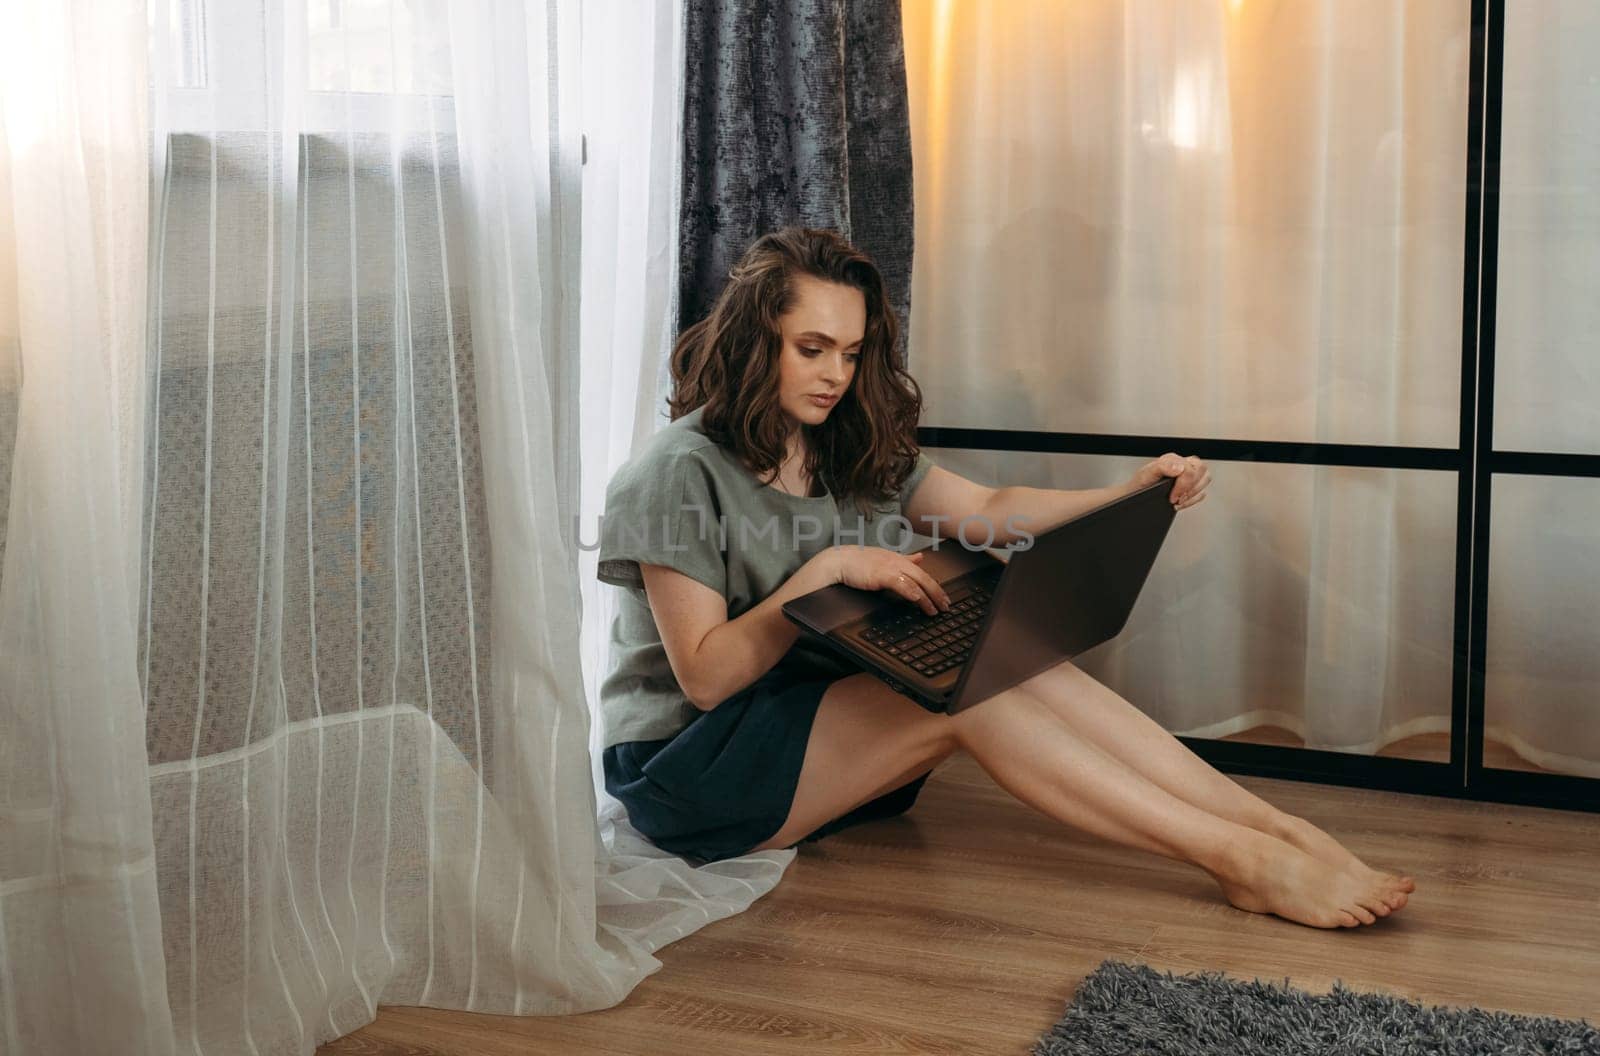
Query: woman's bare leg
[867,739]
[1100,715]
[1031,753]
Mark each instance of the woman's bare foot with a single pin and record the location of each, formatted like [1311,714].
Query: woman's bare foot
[1263,874]
[1298,832]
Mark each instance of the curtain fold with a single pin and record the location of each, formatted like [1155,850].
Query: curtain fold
[794,113]
[81,961]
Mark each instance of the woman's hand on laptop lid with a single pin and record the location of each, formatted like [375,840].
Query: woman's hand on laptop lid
[1194,476]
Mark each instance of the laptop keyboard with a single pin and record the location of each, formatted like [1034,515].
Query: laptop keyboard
[931,645]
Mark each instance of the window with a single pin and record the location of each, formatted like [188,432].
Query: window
[314,65]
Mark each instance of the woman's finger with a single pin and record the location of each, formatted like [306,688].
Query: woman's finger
[1191,484]
[912,591]
[931,588]
[924,597]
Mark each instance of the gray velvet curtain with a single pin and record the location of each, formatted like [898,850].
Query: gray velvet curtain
[794,113]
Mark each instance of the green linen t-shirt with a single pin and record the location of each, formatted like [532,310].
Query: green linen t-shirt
[687,503]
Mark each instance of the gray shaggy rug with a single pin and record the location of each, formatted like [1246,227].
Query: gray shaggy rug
[1123,1009]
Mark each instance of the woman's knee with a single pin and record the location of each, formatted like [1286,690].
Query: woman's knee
[1018,703]
[866,740]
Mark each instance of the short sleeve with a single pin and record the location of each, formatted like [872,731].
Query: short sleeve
[918,471]
[662,512]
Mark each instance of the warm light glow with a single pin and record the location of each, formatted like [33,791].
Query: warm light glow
[30,65]
[1193,116]
[25,65]
[1184,129]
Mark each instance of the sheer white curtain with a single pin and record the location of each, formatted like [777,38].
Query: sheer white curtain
[366,729]
[1234,219]
[632,117]
[293,717]
[81,966]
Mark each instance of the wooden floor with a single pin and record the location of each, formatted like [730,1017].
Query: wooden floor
[966,925]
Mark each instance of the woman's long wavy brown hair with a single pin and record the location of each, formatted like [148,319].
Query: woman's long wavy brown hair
[728,363]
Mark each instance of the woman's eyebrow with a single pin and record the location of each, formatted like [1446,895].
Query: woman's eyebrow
[824,338]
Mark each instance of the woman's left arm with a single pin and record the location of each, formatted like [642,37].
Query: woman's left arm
[948,506]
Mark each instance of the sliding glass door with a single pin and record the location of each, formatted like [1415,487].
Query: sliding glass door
[1536,637]
[1252,231]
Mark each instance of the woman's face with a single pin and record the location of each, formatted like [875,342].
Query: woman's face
[822,334]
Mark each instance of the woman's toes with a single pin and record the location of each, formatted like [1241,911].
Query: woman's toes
[1390,890]
[1362,914]
[1348,919]
[1378,906]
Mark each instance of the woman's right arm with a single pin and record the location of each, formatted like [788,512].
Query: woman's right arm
[714,657]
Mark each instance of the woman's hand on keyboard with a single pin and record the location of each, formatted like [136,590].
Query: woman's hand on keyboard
[876,568]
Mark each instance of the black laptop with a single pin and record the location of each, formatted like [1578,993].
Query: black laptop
[1009,619]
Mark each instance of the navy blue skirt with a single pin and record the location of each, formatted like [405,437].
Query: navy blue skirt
[724,784]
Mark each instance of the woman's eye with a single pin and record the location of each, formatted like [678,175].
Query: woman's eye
[812,351]
[853,357]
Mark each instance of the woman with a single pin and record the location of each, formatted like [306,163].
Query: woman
[791,455]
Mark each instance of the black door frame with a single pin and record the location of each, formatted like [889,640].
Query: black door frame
[1474,461]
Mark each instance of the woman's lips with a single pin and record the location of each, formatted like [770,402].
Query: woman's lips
[823,401]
